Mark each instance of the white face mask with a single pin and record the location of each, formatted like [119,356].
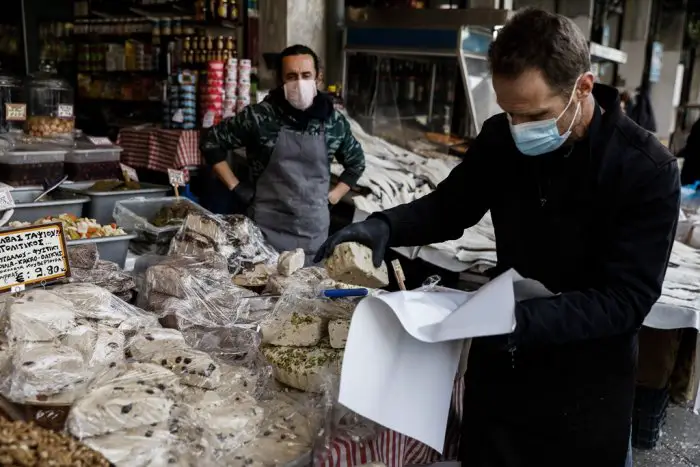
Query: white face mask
[300,93]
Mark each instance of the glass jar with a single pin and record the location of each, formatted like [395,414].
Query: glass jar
[49,106]
[13,109]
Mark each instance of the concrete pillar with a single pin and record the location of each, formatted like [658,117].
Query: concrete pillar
[635,31]
[288,22]
[671,32]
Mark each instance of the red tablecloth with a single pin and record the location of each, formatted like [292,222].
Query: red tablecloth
[397,450]
[158,149]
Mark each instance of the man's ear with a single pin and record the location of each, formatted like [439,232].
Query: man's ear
[319,80]
[585,86]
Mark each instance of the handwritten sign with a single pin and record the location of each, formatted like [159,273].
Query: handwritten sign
[15,112]
[130,174]
[177,177]
[100,140]
[32,255]
[65,111]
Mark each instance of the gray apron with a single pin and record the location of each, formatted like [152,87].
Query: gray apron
[291,195]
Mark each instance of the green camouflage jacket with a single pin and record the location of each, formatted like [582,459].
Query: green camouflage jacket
[257,126]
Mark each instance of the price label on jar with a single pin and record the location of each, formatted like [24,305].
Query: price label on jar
[65,111]
[177,177]
[15,112]
[99,140]
[130,174]
[32,255]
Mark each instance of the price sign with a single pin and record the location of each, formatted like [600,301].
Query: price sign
[32,255]
[178,116]
[15,112]
[177,177]
[6,200]
[100,140]
[65,111]
[130,174]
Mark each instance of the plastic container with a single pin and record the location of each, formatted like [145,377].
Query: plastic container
[32,164]
[112,249]
[55,204]
[135,216]
[89,162]
[50,115]
[101,205]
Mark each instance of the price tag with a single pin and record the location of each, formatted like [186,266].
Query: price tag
[99,140]
[32,255]
[65,111]
[177,177]
[129,173]
[178,116]
[15,112]
[6,200]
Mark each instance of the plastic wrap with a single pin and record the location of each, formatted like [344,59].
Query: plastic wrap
[155,221]
[87,267]
[235,237]
[60,338]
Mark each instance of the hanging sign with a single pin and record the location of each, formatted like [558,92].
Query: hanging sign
[32,255]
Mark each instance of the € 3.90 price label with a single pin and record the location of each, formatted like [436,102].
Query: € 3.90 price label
[32,255]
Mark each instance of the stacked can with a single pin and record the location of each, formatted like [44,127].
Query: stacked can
[188,106]
[213,98]
[243,99]
[230,87]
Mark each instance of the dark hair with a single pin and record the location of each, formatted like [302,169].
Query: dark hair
[293,50]
[536,39]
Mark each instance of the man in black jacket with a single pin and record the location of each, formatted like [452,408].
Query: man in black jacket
[583,200]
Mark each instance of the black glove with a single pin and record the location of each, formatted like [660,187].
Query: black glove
[373,233]
[244,193]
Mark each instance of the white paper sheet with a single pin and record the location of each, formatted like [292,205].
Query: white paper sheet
[403,351]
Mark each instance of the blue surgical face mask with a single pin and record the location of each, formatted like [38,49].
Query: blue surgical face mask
[537,138]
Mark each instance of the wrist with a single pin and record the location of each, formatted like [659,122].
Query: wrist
[232,185]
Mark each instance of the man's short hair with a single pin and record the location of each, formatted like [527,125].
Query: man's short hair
[536,39]
[293,50]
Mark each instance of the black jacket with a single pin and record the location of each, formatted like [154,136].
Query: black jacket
[691,156]
[594,223]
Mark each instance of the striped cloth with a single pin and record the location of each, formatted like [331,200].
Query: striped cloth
[159,150]
[397,450]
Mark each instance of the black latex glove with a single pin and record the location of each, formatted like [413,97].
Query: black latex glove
[244,193]
[373,233]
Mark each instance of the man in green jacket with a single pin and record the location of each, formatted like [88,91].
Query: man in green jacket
[290,139]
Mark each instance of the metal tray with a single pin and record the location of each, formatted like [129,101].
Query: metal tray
[112,249]
[101,205]
[59,203]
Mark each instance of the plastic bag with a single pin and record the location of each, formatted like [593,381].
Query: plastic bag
[235,237]
[87,267]
[155,221]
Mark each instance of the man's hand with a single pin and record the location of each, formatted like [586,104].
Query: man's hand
[244,193]
[373,233]
[337,193]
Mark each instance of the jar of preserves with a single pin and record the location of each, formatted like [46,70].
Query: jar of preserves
[13,109]
[49,106]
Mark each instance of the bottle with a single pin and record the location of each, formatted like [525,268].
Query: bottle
[233,11]
[230,45]
[222,9]
[220,43]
